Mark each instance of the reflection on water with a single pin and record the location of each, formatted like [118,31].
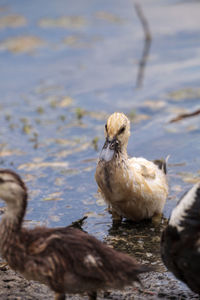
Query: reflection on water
[64,67]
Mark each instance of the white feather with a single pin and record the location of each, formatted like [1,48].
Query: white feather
[180,211]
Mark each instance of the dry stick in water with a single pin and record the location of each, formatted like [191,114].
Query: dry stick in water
[186,115]
[147,44]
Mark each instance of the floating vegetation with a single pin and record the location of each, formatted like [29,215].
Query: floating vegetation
[54,218]
[80,113]
[66,152]
[12,21]
[73,41]
[38,165]
[50,88]
[189,177]
[62,118]
[95,143]
[5,152]
[176,188]
[59,181]
[62,102]
[34,140]
[106,16]
[141,117]
[8,117]
[21,44]
[132,115]
[89,169]
[177,110]
[30,177]
[27,129]
[154,105]
[40,110]
[99,200]
[65,101]
[136,118]
[100,115]
[71,22]
[77,41]
[185,94]
[92,214]
[53,197]
[64,142]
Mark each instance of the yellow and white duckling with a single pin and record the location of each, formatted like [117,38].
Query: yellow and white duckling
[135,188]
[66,259]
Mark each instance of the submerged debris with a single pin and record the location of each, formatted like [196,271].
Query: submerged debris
[75,22]
[21,44]
[107,16]
[38,165]
[12,21]
[185,115]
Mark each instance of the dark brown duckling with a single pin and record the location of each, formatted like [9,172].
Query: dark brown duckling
[65,259]
[180,244]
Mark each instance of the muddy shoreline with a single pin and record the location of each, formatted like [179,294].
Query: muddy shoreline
[156,285]
[140,240]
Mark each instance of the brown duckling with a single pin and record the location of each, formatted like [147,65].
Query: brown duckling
[65,259]
[135,188]
[180,243]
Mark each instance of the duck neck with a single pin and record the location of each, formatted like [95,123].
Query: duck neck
[15,212]
[122,154]
[11,222]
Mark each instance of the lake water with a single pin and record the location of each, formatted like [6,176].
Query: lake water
[65,66]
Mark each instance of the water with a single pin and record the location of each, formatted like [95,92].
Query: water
[60,82]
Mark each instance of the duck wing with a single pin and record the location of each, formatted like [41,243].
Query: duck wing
[144,167]
[71,253]
[147,176]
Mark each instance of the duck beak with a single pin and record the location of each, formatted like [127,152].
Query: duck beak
[108,150]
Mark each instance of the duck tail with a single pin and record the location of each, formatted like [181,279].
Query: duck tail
[129,270]
[133,272]
[139,270]
[162,164]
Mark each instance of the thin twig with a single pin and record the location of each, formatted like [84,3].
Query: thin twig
[186,115]
[144,22]
[147,44]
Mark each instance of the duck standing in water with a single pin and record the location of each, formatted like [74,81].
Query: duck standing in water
[65,259]
[134,188]
[180,243]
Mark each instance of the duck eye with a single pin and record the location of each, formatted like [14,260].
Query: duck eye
[122,130]
[106,127]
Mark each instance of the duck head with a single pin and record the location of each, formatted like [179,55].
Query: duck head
[117,132]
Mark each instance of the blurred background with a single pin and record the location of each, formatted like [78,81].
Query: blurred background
[65,66]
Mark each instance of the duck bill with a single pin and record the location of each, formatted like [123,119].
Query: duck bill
[107,152]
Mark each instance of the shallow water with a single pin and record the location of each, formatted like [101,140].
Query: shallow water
[65,66]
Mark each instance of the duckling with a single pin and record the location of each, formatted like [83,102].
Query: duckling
[180,242]
[135,188]
[66,259]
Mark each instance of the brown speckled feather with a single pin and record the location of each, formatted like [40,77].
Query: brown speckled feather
[66,259]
